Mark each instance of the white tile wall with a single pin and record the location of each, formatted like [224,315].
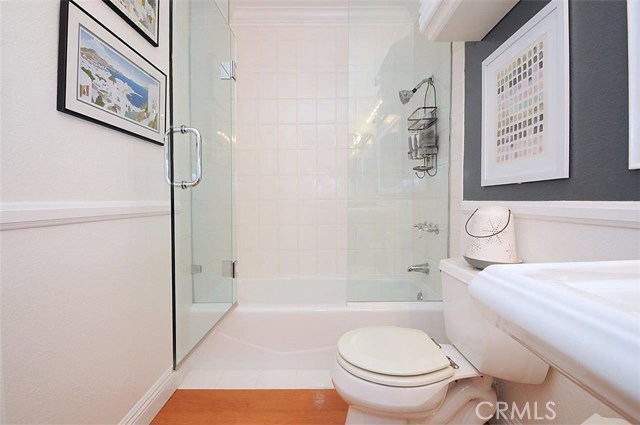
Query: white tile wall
[291,160]
[301,98]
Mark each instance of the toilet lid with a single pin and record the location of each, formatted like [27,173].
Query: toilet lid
[396,381]
[392,350]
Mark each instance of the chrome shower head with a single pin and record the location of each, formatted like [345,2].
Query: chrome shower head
[406,95]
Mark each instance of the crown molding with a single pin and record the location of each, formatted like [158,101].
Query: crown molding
[320,13]
[277,15]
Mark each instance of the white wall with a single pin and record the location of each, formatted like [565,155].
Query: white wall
[86,307]
[546,232]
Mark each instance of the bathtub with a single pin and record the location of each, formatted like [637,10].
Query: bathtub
[283,333]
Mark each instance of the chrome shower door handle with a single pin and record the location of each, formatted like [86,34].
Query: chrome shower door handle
[167,157]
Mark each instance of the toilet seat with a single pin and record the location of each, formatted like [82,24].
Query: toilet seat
[393,356]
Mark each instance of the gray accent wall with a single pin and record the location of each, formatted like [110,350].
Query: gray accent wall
[599,129]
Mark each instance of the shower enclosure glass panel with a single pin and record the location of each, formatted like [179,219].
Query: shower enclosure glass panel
[203,241]
[386,199]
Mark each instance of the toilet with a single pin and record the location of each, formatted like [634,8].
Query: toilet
[395,375]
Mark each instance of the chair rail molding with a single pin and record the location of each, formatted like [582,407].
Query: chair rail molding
[600,213]
[25,215]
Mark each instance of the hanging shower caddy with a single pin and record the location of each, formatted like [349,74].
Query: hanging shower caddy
[423,135]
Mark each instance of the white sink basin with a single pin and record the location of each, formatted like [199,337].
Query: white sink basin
[582,318]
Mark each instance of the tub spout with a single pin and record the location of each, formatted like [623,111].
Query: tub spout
[422,268]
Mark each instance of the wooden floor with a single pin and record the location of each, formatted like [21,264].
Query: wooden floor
[253,407]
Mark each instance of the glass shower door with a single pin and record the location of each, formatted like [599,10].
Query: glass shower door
[387,201]
[202,214]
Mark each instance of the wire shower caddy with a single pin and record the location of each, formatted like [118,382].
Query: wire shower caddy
[422,125]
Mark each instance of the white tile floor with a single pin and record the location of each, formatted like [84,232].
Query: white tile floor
[257,379]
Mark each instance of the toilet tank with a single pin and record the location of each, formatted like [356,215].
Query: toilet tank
[489,349]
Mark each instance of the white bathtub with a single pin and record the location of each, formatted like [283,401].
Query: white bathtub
[284,329]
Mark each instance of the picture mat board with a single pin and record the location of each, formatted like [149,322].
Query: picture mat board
[550,24]
[73,21]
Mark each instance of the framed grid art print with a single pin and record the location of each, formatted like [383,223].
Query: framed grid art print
[525,96]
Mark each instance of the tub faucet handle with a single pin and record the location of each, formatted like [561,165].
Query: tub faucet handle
[429,227]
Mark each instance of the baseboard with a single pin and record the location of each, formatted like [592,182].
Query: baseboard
[152,401]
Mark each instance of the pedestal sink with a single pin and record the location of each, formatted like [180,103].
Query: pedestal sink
[582,318]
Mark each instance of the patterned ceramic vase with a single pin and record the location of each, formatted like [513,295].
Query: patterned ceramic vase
[491,237]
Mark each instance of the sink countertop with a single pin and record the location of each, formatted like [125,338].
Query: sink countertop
[582,318]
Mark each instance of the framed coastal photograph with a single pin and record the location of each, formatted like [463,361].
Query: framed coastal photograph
[525,102]
[103,80]
[142,15]
[633,19]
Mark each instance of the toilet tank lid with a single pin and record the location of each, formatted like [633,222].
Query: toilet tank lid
[459,269]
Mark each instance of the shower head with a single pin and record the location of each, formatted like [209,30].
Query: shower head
[406,95]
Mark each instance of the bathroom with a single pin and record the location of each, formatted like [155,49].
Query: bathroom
[86,299]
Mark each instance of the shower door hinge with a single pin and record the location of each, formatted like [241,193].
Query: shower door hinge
[230,269]
[196,268]
[228,70]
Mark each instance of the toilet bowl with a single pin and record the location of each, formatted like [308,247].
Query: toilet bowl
[395,375]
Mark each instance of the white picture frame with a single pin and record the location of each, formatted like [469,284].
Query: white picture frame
[525,127]
[633,28]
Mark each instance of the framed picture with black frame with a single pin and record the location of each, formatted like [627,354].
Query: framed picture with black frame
[104,80]
[142,15]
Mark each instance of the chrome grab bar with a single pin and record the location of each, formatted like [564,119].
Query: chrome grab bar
[167,157]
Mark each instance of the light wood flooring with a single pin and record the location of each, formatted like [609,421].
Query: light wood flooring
[253,407]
